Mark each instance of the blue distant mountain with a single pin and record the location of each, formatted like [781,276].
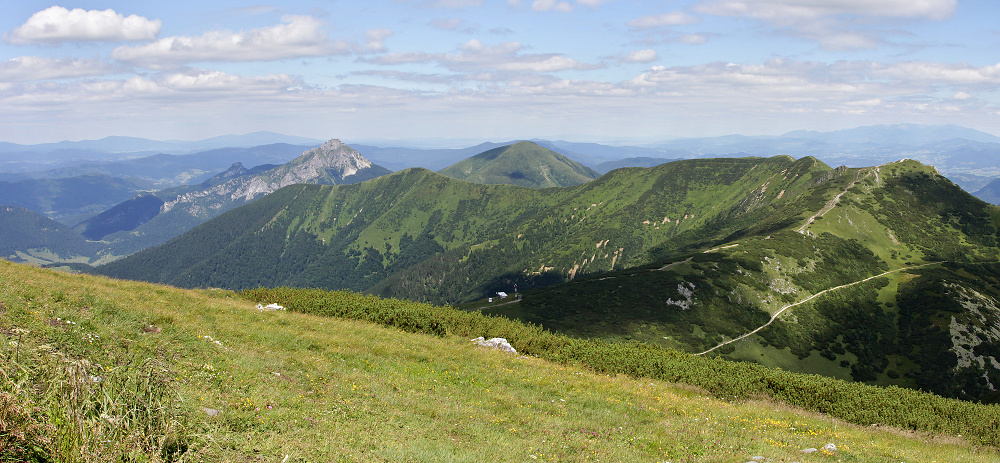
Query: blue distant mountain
[117,144]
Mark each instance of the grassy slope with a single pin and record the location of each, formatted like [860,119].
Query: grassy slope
[323,389]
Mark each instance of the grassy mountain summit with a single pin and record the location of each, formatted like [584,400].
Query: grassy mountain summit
[524,164]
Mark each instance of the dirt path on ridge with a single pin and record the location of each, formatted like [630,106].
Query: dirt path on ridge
[803,301]
[833,202]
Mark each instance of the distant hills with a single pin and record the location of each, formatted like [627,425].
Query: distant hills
[524,164]
[28,236]
[69,199]
[117,144]
[966,156]
[161,171]
[903,134]
[885,274]
[990,193]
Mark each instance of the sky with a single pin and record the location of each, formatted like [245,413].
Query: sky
[441,71]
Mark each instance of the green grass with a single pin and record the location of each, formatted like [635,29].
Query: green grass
[316,388]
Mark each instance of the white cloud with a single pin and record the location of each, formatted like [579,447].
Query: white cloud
[484,81]
[676,18]
[457,3]
[640,56]
[869,103]
[449,24]
[298,36]
[845,87]
[32,68]
[393,59]
[938,73]
[836,37]
[541,64]
[693,39]
[57,24]
[834,24]
[180,87]
[375,39]
[474,55]
[592,3]
[790,11]
[550,5]
[217,81]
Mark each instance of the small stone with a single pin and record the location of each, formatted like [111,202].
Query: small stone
[758,458]
[211,411]
[810,450]
[830,448]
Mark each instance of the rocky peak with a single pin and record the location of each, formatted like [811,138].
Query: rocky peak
[332,145]
[235,170]
[332,156]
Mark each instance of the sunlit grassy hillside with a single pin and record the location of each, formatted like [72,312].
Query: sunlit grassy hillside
[105,370]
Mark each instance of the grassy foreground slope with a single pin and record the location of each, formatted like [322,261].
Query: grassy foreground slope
[104,370]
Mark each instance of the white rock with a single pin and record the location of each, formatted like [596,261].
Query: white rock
[495,343]
[830,448]
[270,307]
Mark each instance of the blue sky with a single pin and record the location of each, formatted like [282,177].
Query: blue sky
[475,70]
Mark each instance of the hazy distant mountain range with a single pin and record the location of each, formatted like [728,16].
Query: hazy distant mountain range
[135,144]
[967,156]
